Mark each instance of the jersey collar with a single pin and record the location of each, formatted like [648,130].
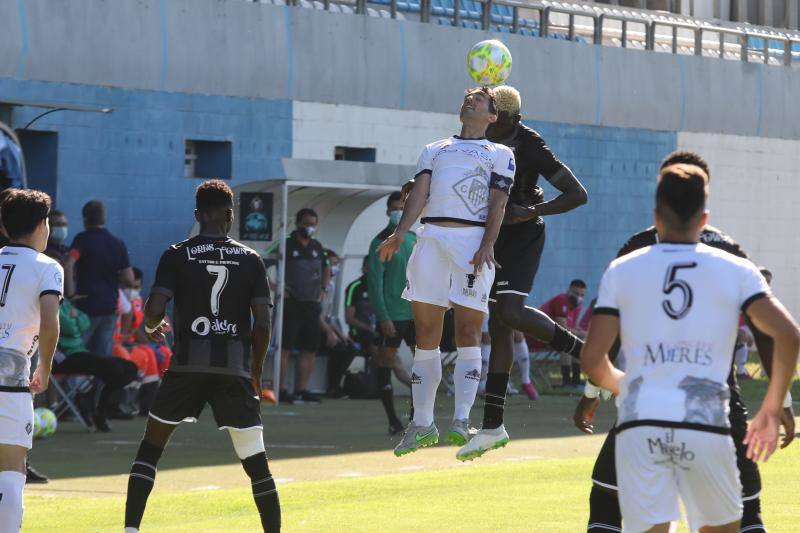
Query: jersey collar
[460,138]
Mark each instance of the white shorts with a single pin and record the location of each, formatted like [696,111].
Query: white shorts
[657,465]
[439,272]
[16,419]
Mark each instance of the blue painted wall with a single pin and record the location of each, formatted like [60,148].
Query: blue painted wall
[618,167]
[132,159]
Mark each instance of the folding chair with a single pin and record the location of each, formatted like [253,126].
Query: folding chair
[540,367]
[67,394]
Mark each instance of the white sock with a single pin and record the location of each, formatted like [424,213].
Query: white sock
[11,506]
[466,378]
[740,356]
[131,530]
[486,351]
[523,359]
[426,373]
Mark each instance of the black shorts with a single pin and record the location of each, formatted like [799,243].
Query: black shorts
[364,339]
[301,330]
[604,474]
[182,396]
[405,332]
[518,250]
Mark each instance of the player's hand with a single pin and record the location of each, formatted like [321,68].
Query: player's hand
[156,335]
[484,255]
[584,414]
[390,246]
[405,190]
[516,213]
[762,436]
[331,339]
[787,421]
[40,380]
[388,329]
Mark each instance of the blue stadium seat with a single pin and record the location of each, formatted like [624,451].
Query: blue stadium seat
[471,10]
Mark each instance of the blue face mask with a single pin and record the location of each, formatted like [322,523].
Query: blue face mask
[395,216]
[59,234]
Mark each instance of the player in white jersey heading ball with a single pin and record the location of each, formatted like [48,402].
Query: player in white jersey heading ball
[462,185]
[31,285]
[676,305]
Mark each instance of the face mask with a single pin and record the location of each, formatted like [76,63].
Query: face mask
[334,270]
[132,294]
[59,234]
[308,231]
[575,300]
[395,216]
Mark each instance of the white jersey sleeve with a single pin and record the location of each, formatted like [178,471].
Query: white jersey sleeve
[502,176]
[607,295]
[425,162]
[52,279]
[753,285]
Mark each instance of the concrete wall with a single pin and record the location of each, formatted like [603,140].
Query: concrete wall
[262,51]
[755,186]
[132,159]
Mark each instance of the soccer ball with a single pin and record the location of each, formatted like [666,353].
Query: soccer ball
[44,422]
[489,62]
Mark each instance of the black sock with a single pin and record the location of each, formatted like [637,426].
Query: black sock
[265,493]
[564,375]
[565,342]
[495,402]
[576,373]
[751,517]
[386,394]
[604,513]
[140,482]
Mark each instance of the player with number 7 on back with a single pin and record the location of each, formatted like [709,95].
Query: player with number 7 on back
[222,307]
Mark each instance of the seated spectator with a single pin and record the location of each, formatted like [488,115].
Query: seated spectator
[565,310]
[73,358]
[337,346]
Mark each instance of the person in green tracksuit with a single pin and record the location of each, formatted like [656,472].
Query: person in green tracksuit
[385,285]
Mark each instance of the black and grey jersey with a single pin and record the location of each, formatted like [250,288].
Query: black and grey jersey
[214,282]
[534,158]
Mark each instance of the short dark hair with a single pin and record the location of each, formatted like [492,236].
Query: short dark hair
[686,157]
[578,283]
[681,194]
[212,195]
[303,212]
[488,91]
[765,271]
[396,196]
[94,213]
[56,213]
[330,253]
[137,273]
[23,211]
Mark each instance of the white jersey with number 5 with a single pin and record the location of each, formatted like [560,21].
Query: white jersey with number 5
[25,276]
[679,307]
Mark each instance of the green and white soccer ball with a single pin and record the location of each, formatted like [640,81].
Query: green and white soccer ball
[45,422]
[489,62]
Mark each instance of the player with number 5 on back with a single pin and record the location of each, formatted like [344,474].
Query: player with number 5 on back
[676,307]
[222,327]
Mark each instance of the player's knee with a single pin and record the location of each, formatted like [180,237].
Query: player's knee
[248,442]
[468,334]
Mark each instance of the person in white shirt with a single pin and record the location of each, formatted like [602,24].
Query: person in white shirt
[461,188]
[676,305]
[31,285]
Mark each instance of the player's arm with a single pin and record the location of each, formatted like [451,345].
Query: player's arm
[573,194]
[771,317]
[411,212]
[595,363]
[48,340]
[260,340]
[155,308]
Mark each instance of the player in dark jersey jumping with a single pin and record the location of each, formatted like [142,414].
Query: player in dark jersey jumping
[604,513]
[518,250]
[222,307]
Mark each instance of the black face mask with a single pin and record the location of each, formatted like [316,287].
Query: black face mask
[574,300]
